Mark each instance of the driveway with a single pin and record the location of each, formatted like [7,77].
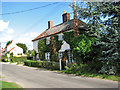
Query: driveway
[29,77]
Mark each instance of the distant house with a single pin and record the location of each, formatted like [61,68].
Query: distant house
[13,48]
[1,52]
[66,26]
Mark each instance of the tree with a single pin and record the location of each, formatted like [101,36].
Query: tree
[34,54]
[23,46]
[82,47]
[103,22]
[110,42]
[9,42]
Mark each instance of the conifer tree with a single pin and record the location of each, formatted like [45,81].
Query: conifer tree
[103,22]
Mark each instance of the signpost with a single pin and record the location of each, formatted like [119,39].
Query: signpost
[60,64]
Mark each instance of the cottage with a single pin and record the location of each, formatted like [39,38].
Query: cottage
[13,48]
[66,26]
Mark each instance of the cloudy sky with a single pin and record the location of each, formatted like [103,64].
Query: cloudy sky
[25,26]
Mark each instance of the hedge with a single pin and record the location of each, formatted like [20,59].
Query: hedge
[42,64]
[18,59]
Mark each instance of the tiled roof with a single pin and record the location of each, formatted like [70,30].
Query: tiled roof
[58,28]
[11,49]
[9,44]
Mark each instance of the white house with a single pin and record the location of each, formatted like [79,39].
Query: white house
[13,48]
[66,26]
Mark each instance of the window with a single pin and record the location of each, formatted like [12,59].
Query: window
[60,55]
[48,40]
[47,56]
[70,56]
[60,37]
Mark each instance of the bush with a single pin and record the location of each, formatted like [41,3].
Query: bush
[42,64]
[18,59]
[29,58]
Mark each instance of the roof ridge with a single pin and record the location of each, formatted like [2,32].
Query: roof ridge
[64,28]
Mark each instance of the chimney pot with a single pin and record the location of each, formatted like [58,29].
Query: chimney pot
[64,11]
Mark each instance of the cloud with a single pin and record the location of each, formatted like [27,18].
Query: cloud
[7,34]
[27,39]
[10,31]
[5,37]
[3,25]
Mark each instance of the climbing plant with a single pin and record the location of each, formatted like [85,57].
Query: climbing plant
[55,46]
[41,49]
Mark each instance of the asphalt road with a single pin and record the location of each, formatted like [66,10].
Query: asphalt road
[38,78]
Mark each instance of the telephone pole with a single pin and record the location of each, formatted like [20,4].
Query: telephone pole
[76,32]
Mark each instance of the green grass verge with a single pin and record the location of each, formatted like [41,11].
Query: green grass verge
[9,85]
[101,76]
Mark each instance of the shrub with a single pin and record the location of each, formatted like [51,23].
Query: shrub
[42,64]
[29,57]
[18,59]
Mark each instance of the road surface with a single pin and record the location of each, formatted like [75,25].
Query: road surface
[38,78]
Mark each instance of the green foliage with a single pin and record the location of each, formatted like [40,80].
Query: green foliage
[42,64]
[33,53]
[18,59]
[54,56]
[42,48]
[47,48]
[9,42]
[81,46]
[88,71]
[8,85]
[103,22]
[110,41]
[68,37]
[23,46]
[58,44]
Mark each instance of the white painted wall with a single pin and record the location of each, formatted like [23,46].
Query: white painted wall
[17,50]
[35,45]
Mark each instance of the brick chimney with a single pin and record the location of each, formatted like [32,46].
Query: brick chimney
[50,24]
[66,17]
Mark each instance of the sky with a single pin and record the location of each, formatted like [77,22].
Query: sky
[25,26]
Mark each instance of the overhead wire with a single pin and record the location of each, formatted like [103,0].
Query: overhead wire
[28,9]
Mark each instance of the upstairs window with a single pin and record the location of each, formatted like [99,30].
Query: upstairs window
[60,37]
[48,40]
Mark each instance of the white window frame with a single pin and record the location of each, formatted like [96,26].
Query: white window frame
[60,37]
[48,40]
[47,56]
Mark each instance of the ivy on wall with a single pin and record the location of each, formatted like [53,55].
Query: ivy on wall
[42,48]
[68,36]
[53,48]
